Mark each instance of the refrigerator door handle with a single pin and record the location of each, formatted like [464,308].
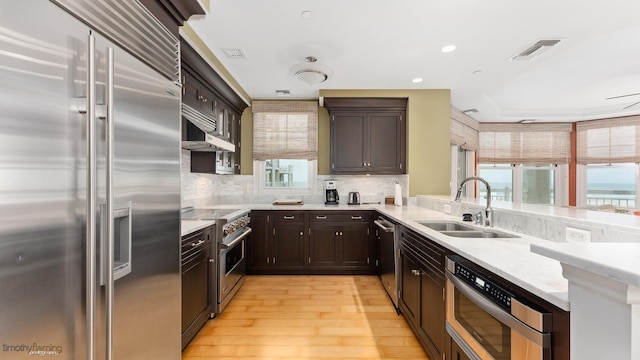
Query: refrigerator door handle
[110,210]
[79,104]
[90,295]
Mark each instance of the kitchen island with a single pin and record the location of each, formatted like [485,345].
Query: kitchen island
[604,290]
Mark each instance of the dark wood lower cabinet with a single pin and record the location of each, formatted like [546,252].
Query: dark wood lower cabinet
[457,353]
[288,246]
[311,242]
[422,284]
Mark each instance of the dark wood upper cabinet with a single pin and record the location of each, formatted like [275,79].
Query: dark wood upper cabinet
[204,90]
[368,135]
[173,13]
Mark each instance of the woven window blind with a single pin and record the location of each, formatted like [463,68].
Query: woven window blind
[525,143]
[464,130]
[285,130]
[614,140]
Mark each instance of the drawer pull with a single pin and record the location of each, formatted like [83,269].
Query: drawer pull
[321,217]
[356,217]
[289,217]
[196,244]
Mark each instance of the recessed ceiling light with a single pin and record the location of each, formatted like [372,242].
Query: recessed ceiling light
[307,14]
[448,48]
[417,80]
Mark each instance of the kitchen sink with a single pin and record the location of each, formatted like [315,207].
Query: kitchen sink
[456,229]
[478,234]
[445,226]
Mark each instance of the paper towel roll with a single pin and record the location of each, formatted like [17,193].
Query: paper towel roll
[398,195]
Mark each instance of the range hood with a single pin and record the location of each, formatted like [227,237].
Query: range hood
[199,132]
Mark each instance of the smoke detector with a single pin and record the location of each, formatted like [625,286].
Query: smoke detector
[311,72]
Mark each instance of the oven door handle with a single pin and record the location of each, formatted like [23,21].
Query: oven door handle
[387,229]
[541,339]
[240,237]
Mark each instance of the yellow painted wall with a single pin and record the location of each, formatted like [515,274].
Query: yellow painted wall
[428,155]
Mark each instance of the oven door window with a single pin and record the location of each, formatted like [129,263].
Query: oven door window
[233,257]
[494,336]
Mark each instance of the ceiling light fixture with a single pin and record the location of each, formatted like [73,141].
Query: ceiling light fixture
[417,80]
[448,48]
[311,72]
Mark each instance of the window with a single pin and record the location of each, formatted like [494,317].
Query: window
[285,145]
[526,163]
[608,153]
[526,183]
[462,166]
[611,185]
[500,177]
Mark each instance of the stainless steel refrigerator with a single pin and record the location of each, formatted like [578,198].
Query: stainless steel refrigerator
[89,182]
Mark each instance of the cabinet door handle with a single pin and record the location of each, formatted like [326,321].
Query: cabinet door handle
[416,272]
[301,233]
[196,244]
[356,217]
[337,233]
[321,217]
[288,217]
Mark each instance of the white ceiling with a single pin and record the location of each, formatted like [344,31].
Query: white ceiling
[384,44]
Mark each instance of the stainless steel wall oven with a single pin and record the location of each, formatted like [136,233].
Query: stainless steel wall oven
[487,320]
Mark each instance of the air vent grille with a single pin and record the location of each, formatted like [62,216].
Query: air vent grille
[535,49]
[235,53]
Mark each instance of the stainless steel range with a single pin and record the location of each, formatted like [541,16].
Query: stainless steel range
[228,252]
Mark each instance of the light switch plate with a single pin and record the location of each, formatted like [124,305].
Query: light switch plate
[447,209]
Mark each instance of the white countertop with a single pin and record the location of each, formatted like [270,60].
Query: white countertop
[617,261]
[189,226]
[509,258]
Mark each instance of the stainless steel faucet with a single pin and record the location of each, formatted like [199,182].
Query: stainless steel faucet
[486,218]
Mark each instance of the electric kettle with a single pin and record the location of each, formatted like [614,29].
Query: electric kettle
[354,198]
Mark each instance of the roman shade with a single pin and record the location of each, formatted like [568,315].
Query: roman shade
[285,130]
[605,141]
[547,143]
[464,130]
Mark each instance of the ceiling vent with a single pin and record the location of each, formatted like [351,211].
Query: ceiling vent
[235,53]
[535,49]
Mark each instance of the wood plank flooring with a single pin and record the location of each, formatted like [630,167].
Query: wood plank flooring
[307,317]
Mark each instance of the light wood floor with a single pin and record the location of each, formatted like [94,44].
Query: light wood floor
[307,317]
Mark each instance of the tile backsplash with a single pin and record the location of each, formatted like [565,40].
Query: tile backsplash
[201,190]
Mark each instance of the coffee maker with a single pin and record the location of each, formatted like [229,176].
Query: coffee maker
[331,192]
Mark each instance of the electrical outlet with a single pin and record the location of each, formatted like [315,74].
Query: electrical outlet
[447,209]
[577,235]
